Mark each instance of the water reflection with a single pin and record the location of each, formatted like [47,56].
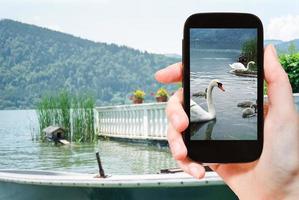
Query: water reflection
[202,130]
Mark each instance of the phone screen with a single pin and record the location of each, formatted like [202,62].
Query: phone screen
[223,84]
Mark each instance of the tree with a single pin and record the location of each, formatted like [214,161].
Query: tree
[291,65]
[249,49]
[35,61]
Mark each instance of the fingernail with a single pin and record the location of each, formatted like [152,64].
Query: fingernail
[194,171]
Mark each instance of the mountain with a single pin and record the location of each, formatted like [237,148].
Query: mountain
[232,38]
[173,55]
[35,61]
[204,38]
[283,46]
[274,42]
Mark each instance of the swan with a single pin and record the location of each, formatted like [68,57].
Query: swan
[197,113]
[245,104]
[240,67]
[249,112]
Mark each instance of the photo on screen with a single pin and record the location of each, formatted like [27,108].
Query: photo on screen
[223,83]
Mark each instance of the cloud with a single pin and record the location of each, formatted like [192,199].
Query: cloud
[283,28]
[36,18]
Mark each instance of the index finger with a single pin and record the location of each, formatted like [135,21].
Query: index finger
[170,74]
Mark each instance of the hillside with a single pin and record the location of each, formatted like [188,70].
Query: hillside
[220,38]
[35,61]
[274,42]
[283,46]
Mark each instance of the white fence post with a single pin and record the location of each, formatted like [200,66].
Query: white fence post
[136,121]
[145,123]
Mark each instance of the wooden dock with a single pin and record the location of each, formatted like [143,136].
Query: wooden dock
[145,121]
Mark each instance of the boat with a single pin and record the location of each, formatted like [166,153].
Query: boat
[30,185]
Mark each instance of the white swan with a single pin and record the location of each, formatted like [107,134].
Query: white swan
[240,67]
[197,114]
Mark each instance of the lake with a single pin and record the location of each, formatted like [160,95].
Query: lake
[206,65]
[19,151]
[229,124]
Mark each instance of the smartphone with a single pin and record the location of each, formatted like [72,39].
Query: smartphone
[223,87]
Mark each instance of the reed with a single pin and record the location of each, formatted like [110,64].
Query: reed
[74,113]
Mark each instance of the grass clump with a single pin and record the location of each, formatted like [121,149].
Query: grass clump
[74,113]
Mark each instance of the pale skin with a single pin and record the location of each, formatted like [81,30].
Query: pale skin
[275,175]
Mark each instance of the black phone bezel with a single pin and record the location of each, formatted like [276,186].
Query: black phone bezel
[223,151]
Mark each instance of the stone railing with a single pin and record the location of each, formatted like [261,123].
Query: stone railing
[136,121]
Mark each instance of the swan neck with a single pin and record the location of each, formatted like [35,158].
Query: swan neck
[211,108]
[247,66]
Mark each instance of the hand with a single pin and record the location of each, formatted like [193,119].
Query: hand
[276,174]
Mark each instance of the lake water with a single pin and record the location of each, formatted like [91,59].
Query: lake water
[206,65]
[19,151]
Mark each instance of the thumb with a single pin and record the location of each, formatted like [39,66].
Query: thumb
[279,89]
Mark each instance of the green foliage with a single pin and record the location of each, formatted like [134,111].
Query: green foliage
[162,92]
[291,65]
[265,88]
[249,50]
[73,113]
[83,119]
[36,61]
[139,94]
[64,104]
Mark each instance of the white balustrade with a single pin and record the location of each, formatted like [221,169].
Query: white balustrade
[136,121]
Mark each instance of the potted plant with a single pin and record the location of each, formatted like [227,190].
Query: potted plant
[162,95]
[138,96]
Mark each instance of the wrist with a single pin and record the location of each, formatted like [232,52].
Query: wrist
[288,191]
[293,191]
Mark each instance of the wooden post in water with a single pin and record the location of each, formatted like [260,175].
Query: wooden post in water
[101,170]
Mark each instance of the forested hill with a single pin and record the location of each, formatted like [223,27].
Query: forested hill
[221,38]
[35,61]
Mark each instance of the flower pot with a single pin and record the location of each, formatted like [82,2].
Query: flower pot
[162,99]
[137,101]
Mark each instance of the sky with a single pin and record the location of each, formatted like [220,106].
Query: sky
[152,25]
